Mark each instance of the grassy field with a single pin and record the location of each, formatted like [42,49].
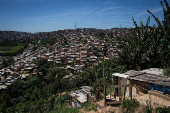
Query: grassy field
[10,50]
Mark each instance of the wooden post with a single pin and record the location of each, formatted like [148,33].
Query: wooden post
[104,91]
[119,89]
[104,79]
[97,94]
[116,89]
[60,99]
[137,89]
[124,93]
[97,80]
[91,88]
[110,94]
[130,90]
[113,80]
[87,98]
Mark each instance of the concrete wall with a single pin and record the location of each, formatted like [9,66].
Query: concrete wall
[75,104]
[134,90]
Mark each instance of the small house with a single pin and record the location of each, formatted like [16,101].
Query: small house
[78,97]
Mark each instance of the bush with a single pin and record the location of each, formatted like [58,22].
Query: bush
[129,106]
[64,109]
[89,106]
[148,108]
[167,71]
[162,110]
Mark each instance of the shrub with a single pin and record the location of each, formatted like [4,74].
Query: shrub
[162,110]
[89,106]
[129,106]
[148,108]
[167,71]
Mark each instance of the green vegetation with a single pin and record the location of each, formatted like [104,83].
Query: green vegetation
[50,41]
[89,107]
[129,106]
[36,93]
[148,108]
[15,43]
[84,40]
[102,35]
[167,71]
[8,61]
[10,50]
[162,110]
[150,46]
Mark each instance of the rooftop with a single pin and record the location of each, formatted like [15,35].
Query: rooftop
[81,94]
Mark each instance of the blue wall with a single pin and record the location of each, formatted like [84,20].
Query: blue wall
[164,90]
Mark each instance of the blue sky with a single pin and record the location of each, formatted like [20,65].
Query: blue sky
[52,15]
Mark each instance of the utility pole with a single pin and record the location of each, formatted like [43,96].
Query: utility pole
[75,26]
[80,59]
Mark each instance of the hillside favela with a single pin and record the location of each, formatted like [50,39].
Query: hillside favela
[85,56]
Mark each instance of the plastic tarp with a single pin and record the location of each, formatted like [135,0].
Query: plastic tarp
[164,90]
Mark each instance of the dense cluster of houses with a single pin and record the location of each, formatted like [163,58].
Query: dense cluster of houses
[83,49]
[75,54]
[16,35]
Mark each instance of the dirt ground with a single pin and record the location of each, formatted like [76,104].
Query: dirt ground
[155,101]
[142,98]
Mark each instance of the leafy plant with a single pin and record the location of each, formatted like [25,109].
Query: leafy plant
[135,52]
[162,110]
[167,71]
[129,106]
[89,106]
[148,108]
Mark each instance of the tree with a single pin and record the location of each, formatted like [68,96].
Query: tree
[5,100]
[43,66]
[129,106]
[8,61]
[102,35]
[60,76]
[135,52]
[52,102]
[16,89]
[135,49]
[51,74]
[164,32]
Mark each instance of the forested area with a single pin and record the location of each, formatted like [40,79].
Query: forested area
[37,92]
[150,45]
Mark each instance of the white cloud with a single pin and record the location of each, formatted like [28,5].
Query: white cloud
[27,0]
[109,8]
[107,2]
[155,10]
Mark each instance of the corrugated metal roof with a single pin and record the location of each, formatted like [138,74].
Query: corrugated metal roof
[81,94]
[120,75]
